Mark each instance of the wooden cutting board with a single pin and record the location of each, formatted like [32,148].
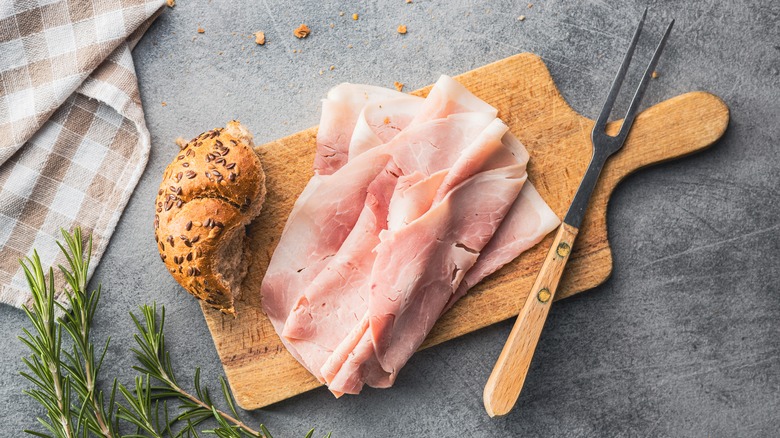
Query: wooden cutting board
[259,368]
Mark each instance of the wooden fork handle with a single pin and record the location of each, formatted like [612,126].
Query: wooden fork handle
[505,382]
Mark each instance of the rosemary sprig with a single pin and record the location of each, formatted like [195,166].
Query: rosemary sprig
[53,387]
[155,362]
[81,363]
[66,379]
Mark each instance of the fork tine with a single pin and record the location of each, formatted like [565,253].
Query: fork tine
[640,91]
[601,122]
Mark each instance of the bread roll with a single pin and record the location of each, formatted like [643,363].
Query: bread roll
[213,188]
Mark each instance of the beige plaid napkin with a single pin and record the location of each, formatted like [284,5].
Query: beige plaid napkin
[73,142]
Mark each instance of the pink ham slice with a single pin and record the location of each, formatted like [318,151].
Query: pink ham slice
[448,97]
[340,111]
[379,122]
[315,231]
[292,281]
[526,224]
[435,239]
[324,315]
[473,162]
[413,202]
[419,267]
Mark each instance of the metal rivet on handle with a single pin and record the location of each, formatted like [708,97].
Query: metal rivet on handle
[563,249]
[544,295]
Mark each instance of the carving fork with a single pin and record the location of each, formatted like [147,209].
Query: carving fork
[505,382]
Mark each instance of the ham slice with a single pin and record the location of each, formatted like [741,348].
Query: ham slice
[412,203]
[307,245]
[340,111]
[322,314]
[527,223]
[419,267]
[379,122]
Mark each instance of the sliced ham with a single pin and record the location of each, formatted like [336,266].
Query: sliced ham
[448,97]
[419,267]
[526,224]
[315,231]
[379,122]
[323,315]
[340,111]
[308,246]
[413,202]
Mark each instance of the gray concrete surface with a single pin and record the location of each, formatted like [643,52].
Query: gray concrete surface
[683,340]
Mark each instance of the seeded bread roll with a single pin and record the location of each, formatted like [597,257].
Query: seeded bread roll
[209,193]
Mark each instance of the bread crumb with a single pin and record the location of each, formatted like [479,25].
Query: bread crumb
[332,25]
[387,119]
[530,5]
[401,29]
[521,18]
[260,38]
[164,104]
[201,30]
[355,16]
[341,13]
[408,1]
[398,86]
[302,31]
[332,67]
[171,3]
[321,72]
[181,142]
[349,46]
[295,50]
[654,74]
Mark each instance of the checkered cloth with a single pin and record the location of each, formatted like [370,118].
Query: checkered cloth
[73,142]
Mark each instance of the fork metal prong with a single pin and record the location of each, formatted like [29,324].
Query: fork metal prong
[604,145]
[601,122]
[633,109]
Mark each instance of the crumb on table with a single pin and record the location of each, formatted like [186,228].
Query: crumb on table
[164,104]
[181,142]
[170,3]
[332,67]
[398,86]
[302,31]
[201,30]
[260,38]
[355,16]
[654,74]
[521,18]
[401,29]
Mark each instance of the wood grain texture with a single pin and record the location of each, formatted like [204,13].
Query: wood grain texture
[508,375]
[261,371]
